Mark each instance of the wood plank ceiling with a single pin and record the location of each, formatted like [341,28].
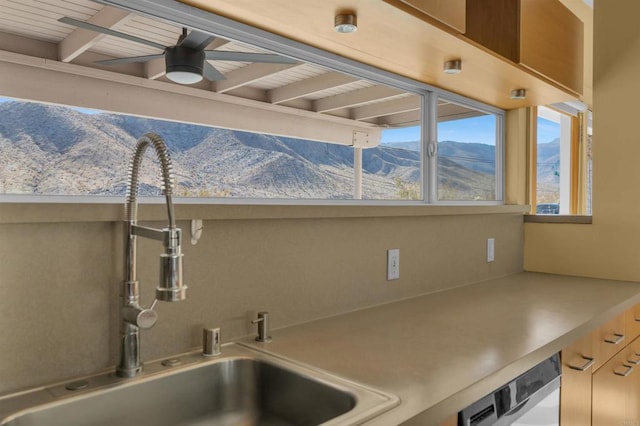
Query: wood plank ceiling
[28,26]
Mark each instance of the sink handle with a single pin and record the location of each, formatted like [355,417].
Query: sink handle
[140,317]
[263,327]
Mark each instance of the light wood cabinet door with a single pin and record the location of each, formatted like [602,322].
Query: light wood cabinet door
[552,42]
[614,397]
[633,322]
[632,352]
[541,35]
[575,391]
[609,340]
[451,421]
[450,12]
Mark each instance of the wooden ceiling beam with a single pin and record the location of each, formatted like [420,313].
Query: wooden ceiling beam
[309,86]
[356,98]
[404,119]
[396,106]
[155,68]
[250,74]
[80,40]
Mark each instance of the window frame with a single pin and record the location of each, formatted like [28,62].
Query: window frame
[577,172]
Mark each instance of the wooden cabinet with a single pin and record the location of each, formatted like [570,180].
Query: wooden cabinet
[609,340]
[449,12]
[601,375]
[451,421]
[575,390]
[542,35]
[632,322]
[615,395]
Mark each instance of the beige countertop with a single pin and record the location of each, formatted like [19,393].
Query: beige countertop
[442,351]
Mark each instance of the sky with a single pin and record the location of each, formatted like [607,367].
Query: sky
[471,130]
[476,130]
[547,130]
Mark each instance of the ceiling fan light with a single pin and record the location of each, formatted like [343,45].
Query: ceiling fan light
[183,65]
[184,77]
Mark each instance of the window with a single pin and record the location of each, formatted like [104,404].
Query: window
[562,152]
[57,150]
[61,150]
[468,153]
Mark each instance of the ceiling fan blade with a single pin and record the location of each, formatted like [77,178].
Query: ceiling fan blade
[220,55]
[196,40]
[212,74]
[130,59]
[107,31]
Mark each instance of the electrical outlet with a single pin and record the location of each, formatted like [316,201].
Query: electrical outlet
[491,250]
[393,264]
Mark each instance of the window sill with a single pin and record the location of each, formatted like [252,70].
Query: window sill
[554,218]
[70,212]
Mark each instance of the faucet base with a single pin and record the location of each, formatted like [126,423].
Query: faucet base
[127,373]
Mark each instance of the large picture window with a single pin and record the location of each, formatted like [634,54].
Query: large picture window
[67,151]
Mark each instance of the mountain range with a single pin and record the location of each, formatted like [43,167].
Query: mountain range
[49,149]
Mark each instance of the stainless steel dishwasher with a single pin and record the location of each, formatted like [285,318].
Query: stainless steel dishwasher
[531,399]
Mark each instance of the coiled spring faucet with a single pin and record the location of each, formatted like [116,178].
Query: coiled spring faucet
[170,288]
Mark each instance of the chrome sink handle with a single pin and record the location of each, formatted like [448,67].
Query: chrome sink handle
[263,327]
[140,317]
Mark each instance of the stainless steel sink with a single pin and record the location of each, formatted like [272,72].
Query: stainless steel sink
[242,387]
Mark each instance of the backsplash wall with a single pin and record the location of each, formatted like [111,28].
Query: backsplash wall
[60,281]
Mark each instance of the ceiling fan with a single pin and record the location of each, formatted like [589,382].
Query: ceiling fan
[186,61]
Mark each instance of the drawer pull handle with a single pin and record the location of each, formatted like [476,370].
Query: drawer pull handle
[626,372]
[585,366]
[635,361]
[619,338]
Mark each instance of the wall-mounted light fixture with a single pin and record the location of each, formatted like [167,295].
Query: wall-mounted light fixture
[519,94]
[346,23]
[452,67]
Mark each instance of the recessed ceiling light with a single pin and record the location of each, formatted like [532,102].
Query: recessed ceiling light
[453,67]
[519,94]
[346,23]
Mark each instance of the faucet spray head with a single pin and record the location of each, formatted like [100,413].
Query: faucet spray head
[171,288]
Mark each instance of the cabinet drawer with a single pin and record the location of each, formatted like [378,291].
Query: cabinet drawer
[615,392]
[609,339]
[633,322]
[575,391]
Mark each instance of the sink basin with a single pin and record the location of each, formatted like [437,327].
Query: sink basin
[242,387]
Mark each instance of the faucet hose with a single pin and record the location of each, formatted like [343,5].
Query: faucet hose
[162,153]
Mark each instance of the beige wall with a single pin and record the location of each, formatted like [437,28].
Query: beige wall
[610,247]
[60,281]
